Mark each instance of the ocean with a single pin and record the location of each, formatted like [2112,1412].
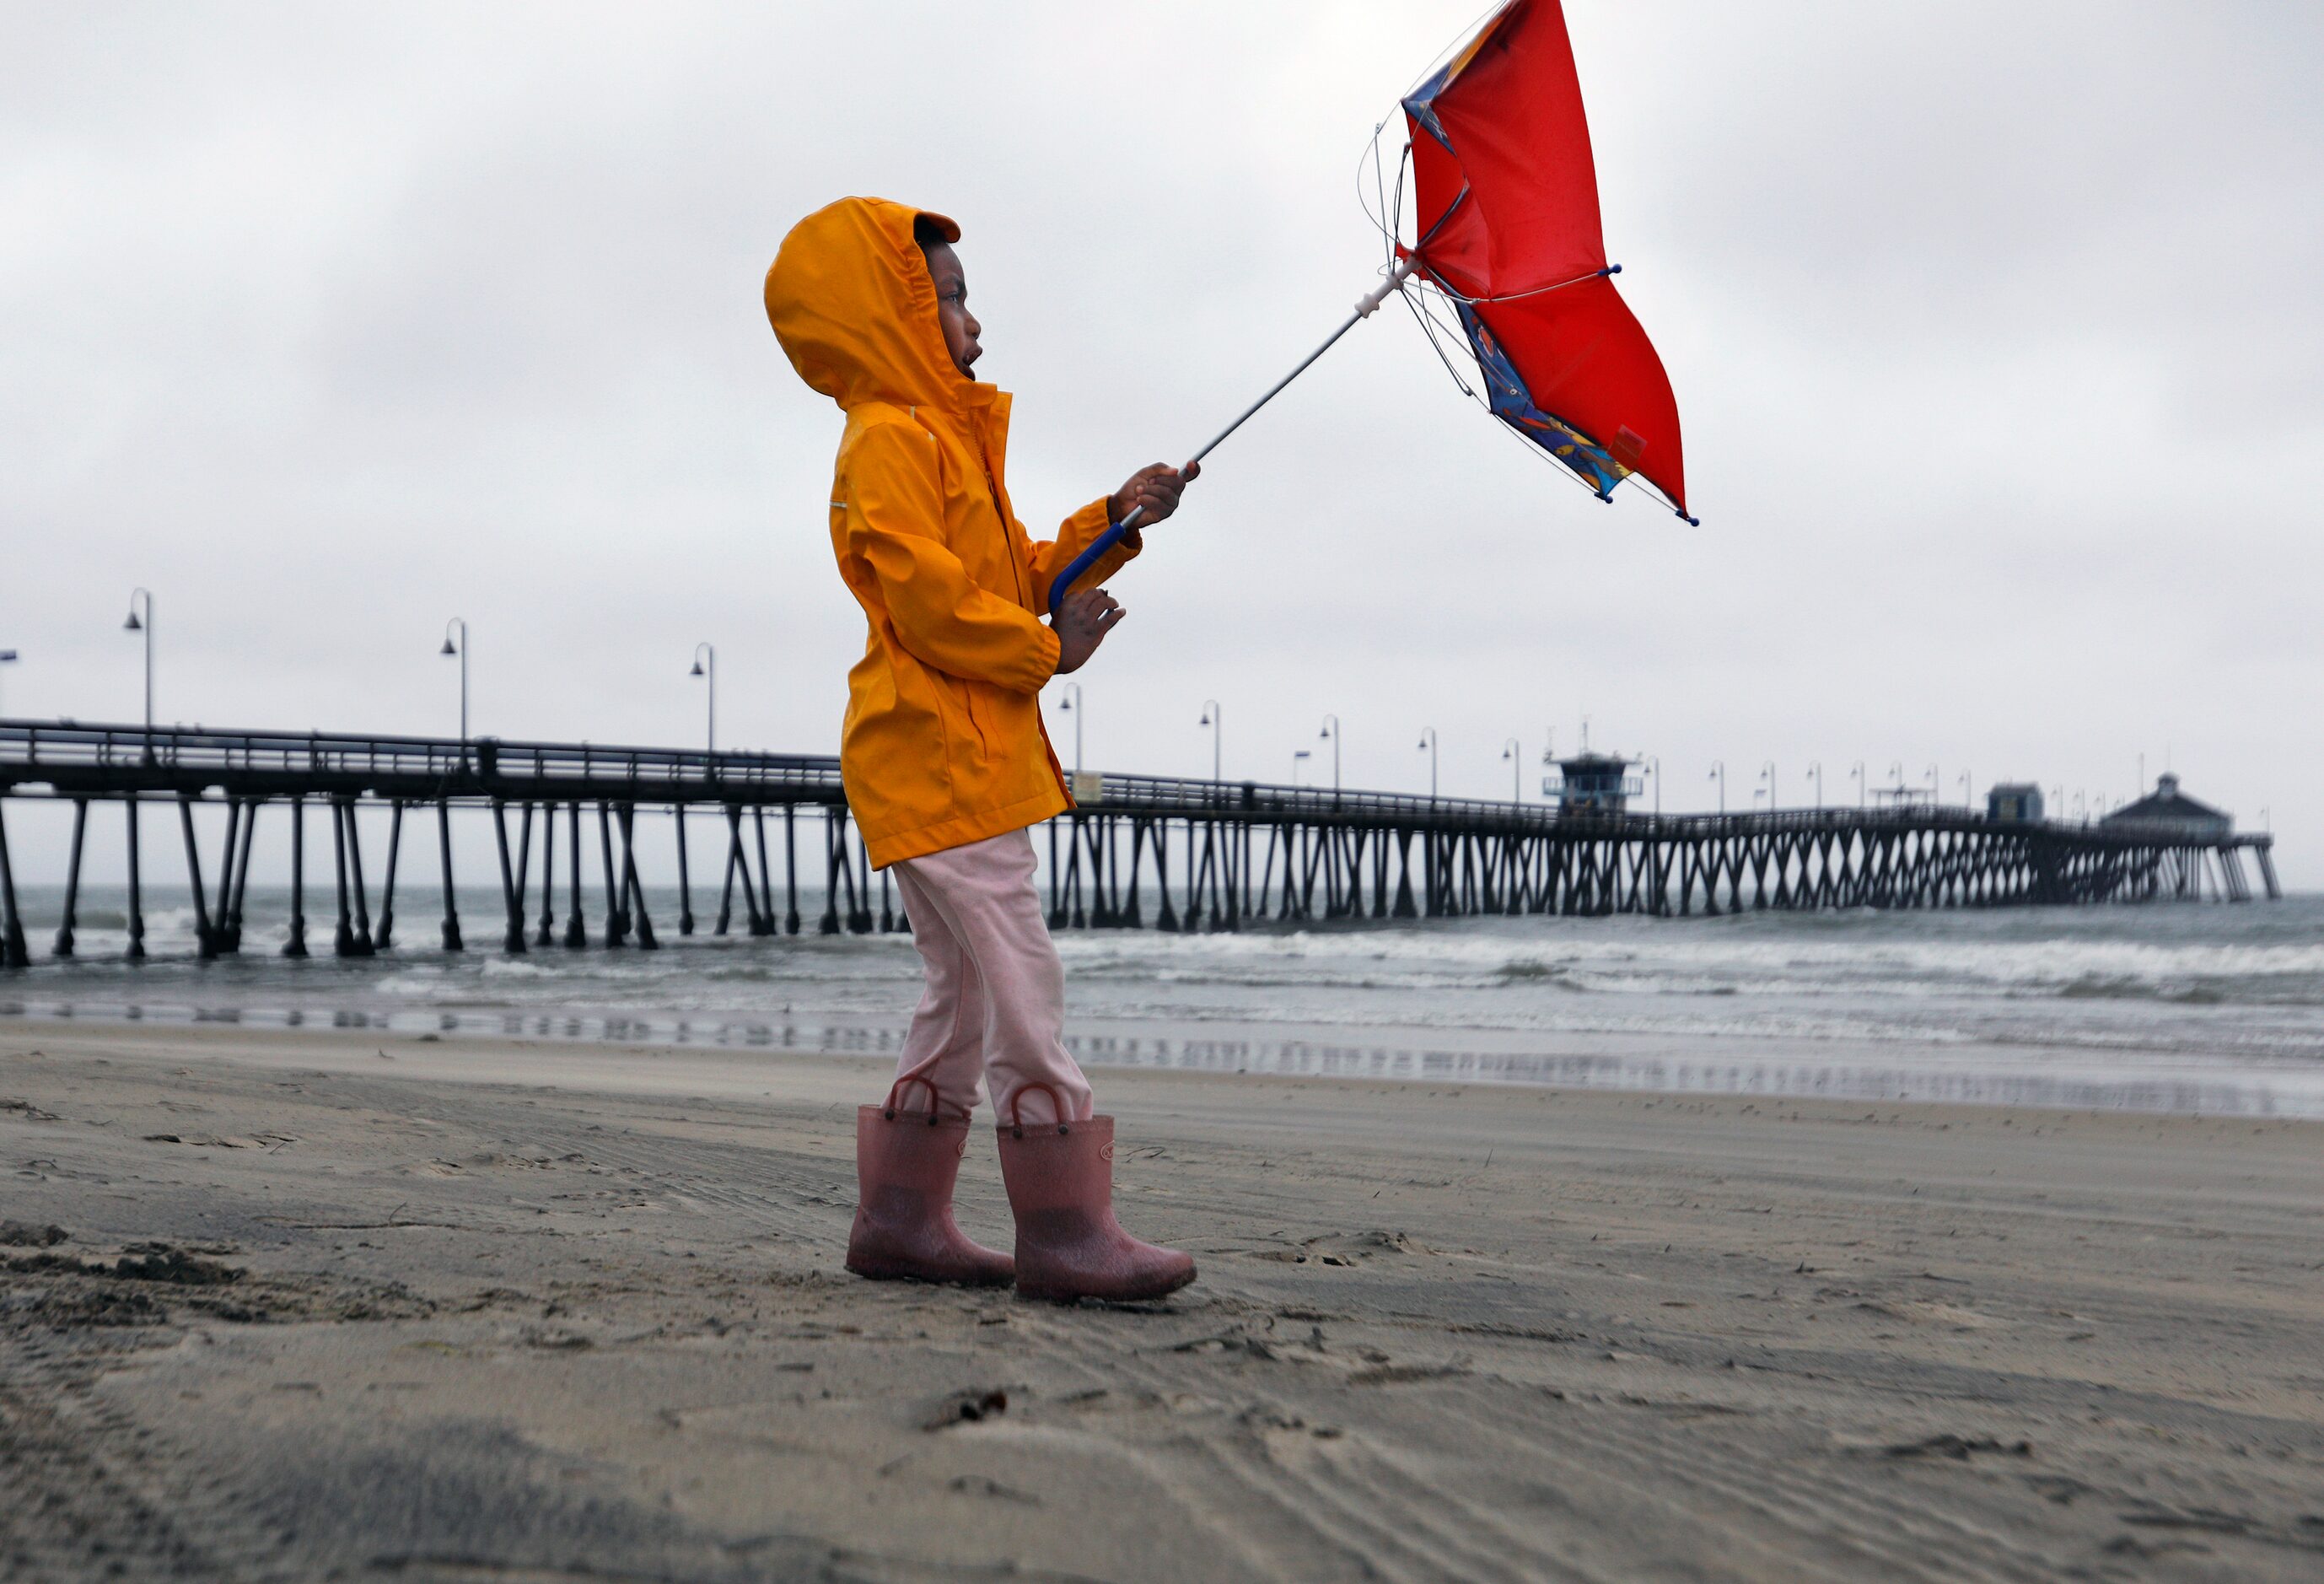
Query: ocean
[2181,1007]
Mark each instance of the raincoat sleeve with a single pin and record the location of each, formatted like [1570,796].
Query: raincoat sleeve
[1051,557]
[894,518]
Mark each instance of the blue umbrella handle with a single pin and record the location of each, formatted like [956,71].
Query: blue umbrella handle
[1089,557]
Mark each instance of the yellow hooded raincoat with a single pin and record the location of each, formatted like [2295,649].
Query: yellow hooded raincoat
[943,743]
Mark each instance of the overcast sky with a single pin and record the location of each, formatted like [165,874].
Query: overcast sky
[1995,330]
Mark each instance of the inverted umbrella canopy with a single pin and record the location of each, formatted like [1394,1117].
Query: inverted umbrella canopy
[1509,234]
[1506,196]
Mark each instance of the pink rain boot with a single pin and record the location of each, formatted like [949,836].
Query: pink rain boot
[905,1165]
[1060,1178]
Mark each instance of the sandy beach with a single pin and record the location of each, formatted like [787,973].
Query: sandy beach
[337,1305]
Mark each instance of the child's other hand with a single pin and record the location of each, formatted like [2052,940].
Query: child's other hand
[1082,623]
[1156,489]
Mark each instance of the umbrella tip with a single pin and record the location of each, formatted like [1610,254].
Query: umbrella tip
[1691,521]
[1612,270]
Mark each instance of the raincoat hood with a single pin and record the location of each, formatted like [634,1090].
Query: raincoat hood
[943,745]
[850,298]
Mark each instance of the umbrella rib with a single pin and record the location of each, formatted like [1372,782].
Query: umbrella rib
[1531,290]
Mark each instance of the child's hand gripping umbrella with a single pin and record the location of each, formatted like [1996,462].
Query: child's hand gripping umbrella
[1508,236]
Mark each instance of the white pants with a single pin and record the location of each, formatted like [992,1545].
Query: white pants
[995,1003]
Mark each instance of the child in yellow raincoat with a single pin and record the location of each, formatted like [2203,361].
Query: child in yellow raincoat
[945,758]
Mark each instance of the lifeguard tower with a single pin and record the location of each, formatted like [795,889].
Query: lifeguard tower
[1592,783]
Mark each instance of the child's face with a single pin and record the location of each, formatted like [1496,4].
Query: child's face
[960,326]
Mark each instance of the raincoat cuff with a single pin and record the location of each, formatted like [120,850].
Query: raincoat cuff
[1099,515]
[1094,519]
[1050,648]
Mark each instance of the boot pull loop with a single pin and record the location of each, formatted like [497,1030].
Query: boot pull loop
[1017,1103]
[936,1101]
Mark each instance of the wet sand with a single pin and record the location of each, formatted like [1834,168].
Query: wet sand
[380,1306]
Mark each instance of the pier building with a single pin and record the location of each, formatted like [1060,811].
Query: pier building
[1592,783]
[2168,808]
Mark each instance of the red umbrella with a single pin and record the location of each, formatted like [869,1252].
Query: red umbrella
[1507,205]
[1508,236]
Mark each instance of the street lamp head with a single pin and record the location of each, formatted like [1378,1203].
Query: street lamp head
[696,670]
[1206,720]
[447,650]
[132,625]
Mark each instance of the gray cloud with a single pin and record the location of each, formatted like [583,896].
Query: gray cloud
[1994,331]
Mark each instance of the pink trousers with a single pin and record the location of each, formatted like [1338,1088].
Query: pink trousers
[995,1003]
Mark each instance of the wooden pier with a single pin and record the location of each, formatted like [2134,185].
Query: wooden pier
[1138,851]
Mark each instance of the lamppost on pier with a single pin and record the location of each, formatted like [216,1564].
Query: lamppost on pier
[1968,800]
[1815,772]
[1428,746]
[1299,757]
[7,657]
[136,624]
[462,651]
[1074,706]
[1863,787]
[1719,774]
[1214,717]
[1332,730]
[1656,769]
[1936,786]
[1767,775]
[140,622]
[705,666]
[1517,769]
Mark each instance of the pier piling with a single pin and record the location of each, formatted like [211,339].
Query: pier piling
[452,941]
[296,944]
[577,933]
[617,926]
[137,885]
[633,892]
[548,936]
[512,887]
[343,933]
[367,944]
[762,910]
[384,938]
[64,942]
[12,954]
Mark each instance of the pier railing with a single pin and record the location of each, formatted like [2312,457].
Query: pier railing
[112,759]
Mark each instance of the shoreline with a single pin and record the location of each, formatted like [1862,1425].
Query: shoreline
[478,1308]
[1750,1066]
